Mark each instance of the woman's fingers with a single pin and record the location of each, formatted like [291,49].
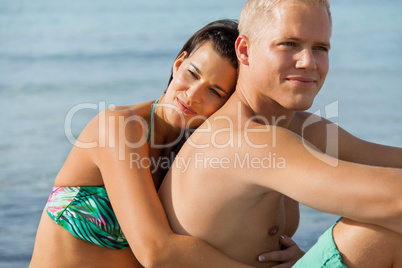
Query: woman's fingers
[287,256]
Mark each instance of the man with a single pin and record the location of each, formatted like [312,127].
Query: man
[227,185]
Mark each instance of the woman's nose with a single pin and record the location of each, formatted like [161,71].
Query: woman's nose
[194,93]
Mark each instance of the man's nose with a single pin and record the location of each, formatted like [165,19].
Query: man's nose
[306,60]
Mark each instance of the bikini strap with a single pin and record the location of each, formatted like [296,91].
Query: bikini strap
[152,118]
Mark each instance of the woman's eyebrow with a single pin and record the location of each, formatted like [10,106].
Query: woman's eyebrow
[219,88]
[214,85]
[196,68]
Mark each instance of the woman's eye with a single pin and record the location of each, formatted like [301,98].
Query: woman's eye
[215,92]
[194,75]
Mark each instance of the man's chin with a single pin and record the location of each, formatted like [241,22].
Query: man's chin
[300,106]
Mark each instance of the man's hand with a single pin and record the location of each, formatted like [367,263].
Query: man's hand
[287,257]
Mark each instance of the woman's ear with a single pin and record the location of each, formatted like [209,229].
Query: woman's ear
[242,47]
[179,61]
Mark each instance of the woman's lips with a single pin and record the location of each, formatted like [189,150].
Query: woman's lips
[185,108]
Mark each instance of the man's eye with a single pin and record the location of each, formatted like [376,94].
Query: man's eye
[320,48]
[288,44]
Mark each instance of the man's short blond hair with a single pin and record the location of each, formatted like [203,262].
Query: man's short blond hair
[256,14]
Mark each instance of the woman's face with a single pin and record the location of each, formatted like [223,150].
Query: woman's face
[201,84]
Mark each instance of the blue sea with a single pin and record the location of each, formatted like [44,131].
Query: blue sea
[56,56]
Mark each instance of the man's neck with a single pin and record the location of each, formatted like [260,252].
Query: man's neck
[265,110]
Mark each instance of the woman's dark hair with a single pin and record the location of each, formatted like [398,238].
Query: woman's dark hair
[221,33]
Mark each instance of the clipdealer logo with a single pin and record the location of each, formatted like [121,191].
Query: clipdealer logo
[204,161]
[330,156]
[117,139]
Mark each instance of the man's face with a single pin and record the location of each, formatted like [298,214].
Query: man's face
[290,61]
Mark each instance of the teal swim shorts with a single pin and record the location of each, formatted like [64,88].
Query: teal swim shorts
[323,254]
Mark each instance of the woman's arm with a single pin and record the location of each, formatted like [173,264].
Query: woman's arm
[324,135]
[135,200]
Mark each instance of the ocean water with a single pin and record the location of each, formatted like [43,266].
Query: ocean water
[55,55]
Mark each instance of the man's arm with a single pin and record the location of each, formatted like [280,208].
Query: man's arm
[350,148]
[360,192]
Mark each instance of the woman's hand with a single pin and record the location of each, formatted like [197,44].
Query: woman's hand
[287,256]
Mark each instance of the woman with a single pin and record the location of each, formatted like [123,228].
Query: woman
[127,164]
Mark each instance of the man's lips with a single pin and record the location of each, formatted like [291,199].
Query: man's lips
[301,81]
[185,108]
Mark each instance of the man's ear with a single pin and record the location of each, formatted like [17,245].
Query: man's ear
[179,60]
[242,47]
